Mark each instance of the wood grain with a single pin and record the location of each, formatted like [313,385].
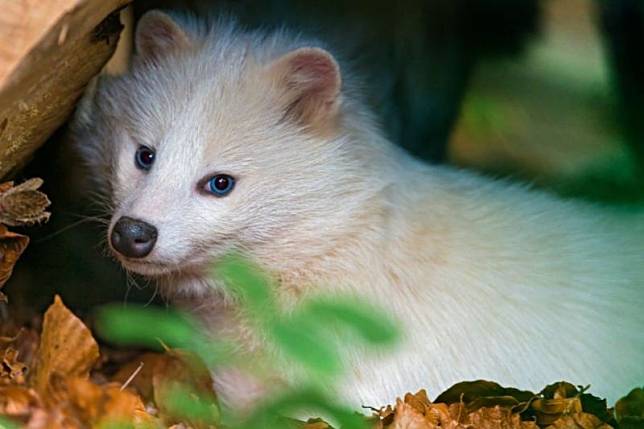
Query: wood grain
[49,50]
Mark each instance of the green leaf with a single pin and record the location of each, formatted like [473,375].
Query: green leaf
[154,327]
[116,424]
[302,342]
[185,403]
[5,423]
[249,285]
[145,326]
[370,324]
[298,400]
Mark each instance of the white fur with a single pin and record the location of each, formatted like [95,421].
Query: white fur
[489,279]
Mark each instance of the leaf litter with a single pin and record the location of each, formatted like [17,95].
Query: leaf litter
[61,381]
[20,205]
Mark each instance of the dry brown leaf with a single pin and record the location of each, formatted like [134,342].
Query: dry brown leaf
[497,418]
[385,415]
[549,410]
[418,400]
[23,204]
[17,401]
[416,411]
[12,370]
[108,404]
[563,405]
[579,421]
[142,380]
[11,247]
[407,417]
[162,374]
[17,354]
[441,415]
[67,348]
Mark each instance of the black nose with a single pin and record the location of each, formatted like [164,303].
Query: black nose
[133,238]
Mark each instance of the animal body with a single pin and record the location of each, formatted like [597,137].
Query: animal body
[222,140]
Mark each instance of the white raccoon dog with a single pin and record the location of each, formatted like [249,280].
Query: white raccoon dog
[219,139]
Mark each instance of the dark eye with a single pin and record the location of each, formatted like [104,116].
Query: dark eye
[220,185]
[144,158]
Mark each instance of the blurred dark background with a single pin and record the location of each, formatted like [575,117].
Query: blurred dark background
[546,91]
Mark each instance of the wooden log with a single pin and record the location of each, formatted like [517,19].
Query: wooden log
[49,50]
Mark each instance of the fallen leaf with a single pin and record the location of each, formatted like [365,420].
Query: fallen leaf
[562,399]
[150,364]
[23,204]
[108,404]
[419,400]
[408,417]
[550,410]
[579,421]
[24,342]
[416,411]
[17,401]
[11,247]
[67,348]
[469,391]
[497,417]
[171,377]
[629,410]
[12,370]
[466,406]
[443,415]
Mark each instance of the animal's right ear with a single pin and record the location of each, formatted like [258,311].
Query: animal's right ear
[157,34]
[310,82]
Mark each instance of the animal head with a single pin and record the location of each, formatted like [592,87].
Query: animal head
[219,140]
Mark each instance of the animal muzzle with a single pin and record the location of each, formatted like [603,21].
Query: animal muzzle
[133,238]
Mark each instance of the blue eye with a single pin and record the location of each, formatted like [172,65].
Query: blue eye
[220,185]
[144,158]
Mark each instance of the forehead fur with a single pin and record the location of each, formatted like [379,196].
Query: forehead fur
[222,76]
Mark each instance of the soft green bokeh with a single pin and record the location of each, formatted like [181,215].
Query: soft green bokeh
[7,424]
[186,403]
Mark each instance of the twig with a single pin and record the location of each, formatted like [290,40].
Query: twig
[131,377]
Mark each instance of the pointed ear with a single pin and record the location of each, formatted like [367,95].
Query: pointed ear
[311,81]
[157,34]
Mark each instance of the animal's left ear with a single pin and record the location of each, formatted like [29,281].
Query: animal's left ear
[157,34]
[311,81]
